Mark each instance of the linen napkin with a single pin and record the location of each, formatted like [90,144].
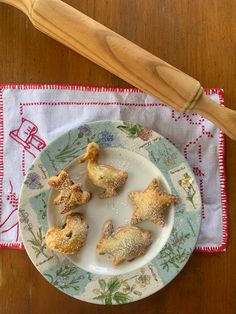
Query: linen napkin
[31,116]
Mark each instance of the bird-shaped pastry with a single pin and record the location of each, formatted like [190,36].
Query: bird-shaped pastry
[70,238]
[125,243]
[103,176]
[151,204]
[70,195]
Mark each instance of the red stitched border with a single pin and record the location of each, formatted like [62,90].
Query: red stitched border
[222,173]
[221,148]
[23,163]
[73,87]
[18,246]
[1,150]
[92,103]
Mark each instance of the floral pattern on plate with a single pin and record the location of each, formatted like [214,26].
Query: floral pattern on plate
[132,286]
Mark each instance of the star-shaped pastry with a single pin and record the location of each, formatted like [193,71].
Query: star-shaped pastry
[71,195]
[151,204]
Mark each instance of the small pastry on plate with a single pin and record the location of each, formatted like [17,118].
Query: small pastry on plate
[151,204]
[71,238]
[103,176]
[70,195]
[125,243]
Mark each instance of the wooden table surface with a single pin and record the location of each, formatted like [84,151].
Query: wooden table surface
[197,36]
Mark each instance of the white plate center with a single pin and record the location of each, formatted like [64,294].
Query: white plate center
[140,173]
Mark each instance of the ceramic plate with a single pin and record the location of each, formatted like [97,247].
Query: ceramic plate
[145,154]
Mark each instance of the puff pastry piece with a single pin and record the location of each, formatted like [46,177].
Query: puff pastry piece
[71,195]
[71,238]
[125,243]
[103,176]
[151,204]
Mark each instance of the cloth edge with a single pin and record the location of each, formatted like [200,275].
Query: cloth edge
[221,150]
[1,149]
[222,171]
[18,246]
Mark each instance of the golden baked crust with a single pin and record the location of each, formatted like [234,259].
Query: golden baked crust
[70,195]
[71,238]
[103,176]
[125,243]
[151,204]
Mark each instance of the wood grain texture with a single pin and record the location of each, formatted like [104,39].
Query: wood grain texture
[199,38]
[125,59]
[111,51]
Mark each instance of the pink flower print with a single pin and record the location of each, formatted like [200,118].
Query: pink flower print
[145,134]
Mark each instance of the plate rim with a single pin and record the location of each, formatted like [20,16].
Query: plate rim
[104,122]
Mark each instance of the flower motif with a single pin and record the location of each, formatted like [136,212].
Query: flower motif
[28,226]
[96,291]
[145,134]
[142,270]
[24,216]
[33,181]
[143,280]
[105,138]
[187,185]
[85,129]
[186,181]
[135,130]
[170,161]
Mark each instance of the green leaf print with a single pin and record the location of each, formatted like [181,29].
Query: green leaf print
[174,254]
[114,284]
[102,284]
[121,297]
[116,290]
[66,277]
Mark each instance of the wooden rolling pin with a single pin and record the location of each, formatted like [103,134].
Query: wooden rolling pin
[125,59]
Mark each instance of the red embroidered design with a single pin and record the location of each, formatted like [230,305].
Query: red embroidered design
[1,150]
[21,109]
[91,103]
[23,163]
[224,200]
[196,140]
[191,120]
[26,135]
[11,221]
[200,152]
